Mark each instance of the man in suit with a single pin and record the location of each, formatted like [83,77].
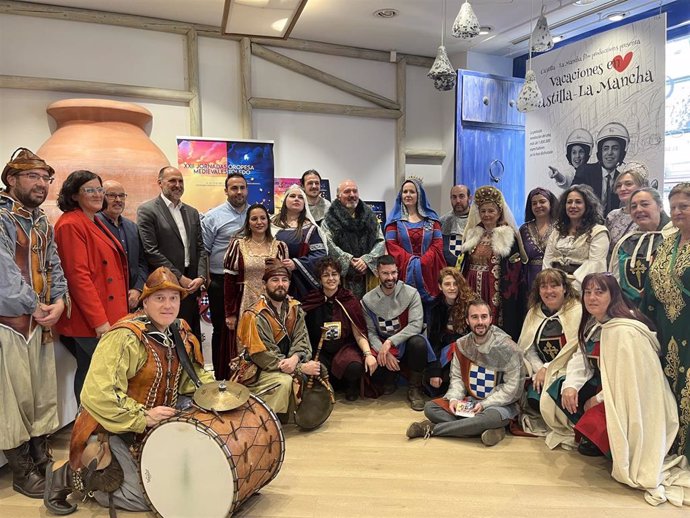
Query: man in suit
[170,231]
[126,231]
[612,142]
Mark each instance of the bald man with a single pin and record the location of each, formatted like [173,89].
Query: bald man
[127,232]
[355,238]
[453,223]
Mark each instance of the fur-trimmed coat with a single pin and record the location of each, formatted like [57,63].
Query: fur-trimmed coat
[506,248]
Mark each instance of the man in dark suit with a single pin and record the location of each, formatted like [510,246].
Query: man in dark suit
[126,231]
[170,231]
[612,142]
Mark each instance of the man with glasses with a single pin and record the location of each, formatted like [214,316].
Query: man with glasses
[127,232]
[33,297]
[170,231]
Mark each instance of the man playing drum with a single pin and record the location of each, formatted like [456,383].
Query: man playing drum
[136,375]
[274,335]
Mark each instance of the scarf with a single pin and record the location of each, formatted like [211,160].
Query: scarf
[357,235]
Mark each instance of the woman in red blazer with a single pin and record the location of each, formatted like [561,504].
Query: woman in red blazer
[95,266]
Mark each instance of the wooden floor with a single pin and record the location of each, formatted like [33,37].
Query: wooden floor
[361,464]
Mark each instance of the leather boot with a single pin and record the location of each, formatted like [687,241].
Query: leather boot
[25,478]
[414,393]
[40,452]
[59,485]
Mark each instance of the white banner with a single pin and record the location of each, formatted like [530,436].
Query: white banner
[611,84]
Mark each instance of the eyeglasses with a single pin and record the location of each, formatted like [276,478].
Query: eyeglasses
[34,177]
[92,191]
[115,196]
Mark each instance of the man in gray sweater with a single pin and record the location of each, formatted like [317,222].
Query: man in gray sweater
[485,384]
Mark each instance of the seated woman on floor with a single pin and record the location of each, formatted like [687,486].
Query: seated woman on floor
[446,324]
[617,397]
[551,323]
[346,352]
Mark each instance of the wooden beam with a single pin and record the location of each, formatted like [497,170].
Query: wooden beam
[400,124]
[93,87]
[246,87]
[192,82]
[209,31]
[332,109]
[323,77]
[425,154]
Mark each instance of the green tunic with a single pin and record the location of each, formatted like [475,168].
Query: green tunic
[666,300]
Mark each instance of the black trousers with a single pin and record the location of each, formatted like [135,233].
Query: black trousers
[189,308]
[216,304]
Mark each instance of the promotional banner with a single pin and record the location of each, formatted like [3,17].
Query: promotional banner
[603,107]
[205,163]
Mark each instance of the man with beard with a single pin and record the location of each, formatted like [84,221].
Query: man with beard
[355,238]
[220,224]
[485,381]
[318,205]
[274,335]
[34,291]
[612,142]
[170,231]
[126,231]
[453,223]
[395,317]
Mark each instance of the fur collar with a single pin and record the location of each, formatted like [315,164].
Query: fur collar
[502,240]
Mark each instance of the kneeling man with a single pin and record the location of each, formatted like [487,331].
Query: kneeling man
[485,381]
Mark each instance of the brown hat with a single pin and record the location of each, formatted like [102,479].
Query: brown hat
[161,279]
[275,267]
[24,160]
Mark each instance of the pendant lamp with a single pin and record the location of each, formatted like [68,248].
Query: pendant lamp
[466,24]
[442,71]
[530,97]
[541,36]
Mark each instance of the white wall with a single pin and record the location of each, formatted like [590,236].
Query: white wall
[497,65]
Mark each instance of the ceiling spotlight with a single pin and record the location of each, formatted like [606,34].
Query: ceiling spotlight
[615,17]
[556,39]
[385,13]
[485,29]
[584,2]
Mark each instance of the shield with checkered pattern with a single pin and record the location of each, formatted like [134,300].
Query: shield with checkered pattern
[482,380]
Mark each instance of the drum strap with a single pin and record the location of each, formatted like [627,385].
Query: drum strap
[183,356]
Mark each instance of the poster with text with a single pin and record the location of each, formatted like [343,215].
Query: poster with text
[205,163]
[603,107]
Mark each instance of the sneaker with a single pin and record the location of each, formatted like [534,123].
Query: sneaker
[420,429]
[493,436]
[416,398]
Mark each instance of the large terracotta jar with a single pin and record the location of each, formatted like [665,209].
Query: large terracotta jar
[109,138]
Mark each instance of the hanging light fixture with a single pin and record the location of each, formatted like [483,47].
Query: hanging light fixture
[530,96]
[442,71]
[541,36]
[466,24]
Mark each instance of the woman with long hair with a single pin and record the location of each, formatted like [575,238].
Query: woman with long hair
[413,238]
[493,258]
[616,395]
[447,323]
[297,228]
[346,352]
[541,211]
[580,243]
[666,300]
[632,177]
[551,324]
[95,266]
[634,253]
[244,266]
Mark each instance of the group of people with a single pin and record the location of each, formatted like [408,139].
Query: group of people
[481,316]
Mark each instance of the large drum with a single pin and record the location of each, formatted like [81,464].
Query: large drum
[200,464]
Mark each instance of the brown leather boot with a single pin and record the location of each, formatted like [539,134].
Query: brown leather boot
[25,478]
[59,485]
[40,452]
[414,393]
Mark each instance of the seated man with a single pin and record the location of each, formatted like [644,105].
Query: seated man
[274,335]
[486,372]
[133,383]
[394,316]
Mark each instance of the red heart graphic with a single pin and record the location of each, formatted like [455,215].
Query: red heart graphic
[620,63]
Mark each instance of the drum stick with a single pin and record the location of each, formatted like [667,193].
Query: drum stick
[268,389]
[324,330]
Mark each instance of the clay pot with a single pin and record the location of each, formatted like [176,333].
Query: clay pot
[108,138]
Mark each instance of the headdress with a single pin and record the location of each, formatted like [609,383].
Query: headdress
[275,267]
[423,207]
[24,160]
[486,194]
[162,279]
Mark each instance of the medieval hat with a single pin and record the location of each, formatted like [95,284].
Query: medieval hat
[162,279]
[275,267]
[24,160]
